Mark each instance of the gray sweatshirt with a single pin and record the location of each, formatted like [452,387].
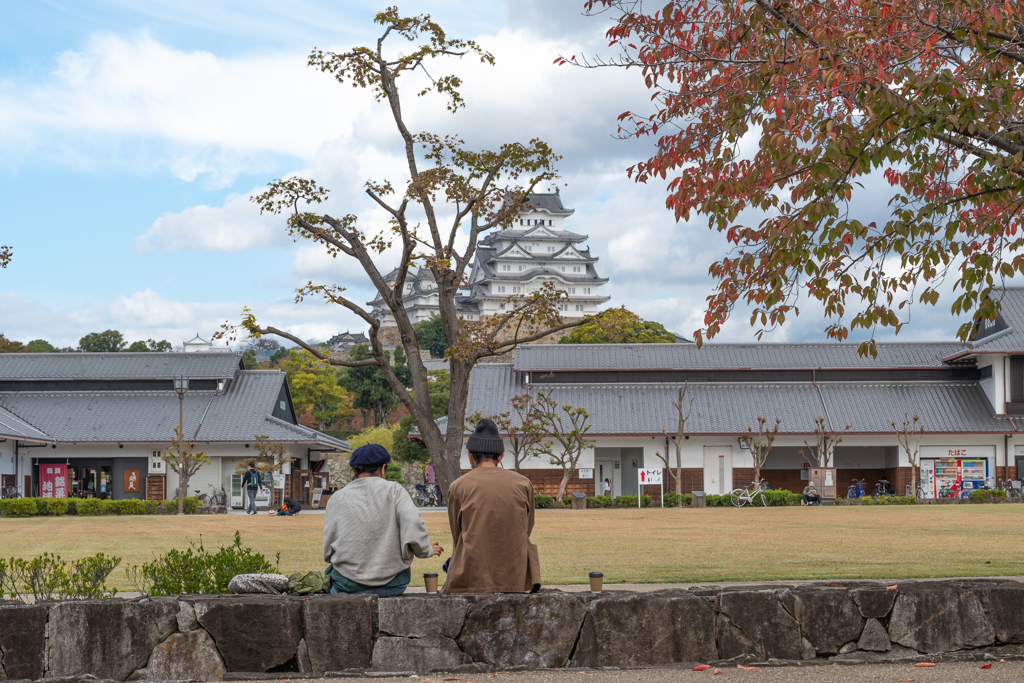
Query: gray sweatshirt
[372,530]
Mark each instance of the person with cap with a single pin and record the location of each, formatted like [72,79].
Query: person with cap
[372,530]
[810,495]
[491,514]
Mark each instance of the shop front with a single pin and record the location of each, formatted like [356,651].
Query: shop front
[102,478]
[948,472]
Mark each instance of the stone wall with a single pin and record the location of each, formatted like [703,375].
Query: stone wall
[209,637]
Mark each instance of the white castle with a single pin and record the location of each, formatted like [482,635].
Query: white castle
[518,260]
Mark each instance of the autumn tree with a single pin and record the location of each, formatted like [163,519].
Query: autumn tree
[270,457]
[826,439]
[619,326]
[909,433]
[786,110]
[11,346]
[450,197]
[567,426]
[184,460]
[683,410]
[761,443]
[522,427]
[6,254]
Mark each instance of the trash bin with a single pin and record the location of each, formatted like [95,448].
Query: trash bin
[700,499]
[579,501]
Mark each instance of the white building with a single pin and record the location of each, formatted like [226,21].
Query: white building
[515,261]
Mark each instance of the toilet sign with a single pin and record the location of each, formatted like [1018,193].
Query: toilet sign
[649,478]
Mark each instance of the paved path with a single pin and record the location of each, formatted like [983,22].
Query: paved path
[958,672]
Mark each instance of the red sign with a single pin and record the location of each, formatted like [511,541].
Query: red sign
[53,481]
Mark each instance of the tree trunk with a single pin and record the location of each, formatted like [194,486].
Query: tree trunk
[563,485]
[679,474]
[182,491]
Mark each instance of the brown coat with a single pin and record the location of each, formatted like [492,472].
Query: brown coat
[490,511]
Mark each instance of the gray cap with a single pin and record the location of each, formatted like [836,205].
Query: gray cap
[486,438]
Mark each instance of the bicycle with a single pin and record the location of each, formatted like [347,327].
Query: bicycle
[211,499]
[882,488]
[752,494]
[427,494]
[856,489]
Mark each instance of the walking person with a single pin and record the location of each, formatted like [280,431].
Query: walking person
[252,482]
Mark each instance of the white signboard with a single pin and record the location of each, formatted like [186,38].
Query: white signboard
[649,477]
[278,481]
[586,473]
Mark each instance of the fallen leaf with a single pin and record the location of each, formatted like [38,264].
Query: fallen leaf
[717,671]
[747,668]
[924,664]
[833,585]
[701,667]
[891,588]
[986,666]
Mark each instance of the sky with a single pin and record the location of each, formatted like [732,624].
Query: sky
[132,135]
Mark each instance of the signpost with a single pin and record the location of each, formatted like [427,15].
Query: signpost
[649,478]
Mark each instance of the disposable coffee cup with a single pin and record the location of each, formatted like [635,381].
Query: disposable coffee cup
[596,579]
[430,582]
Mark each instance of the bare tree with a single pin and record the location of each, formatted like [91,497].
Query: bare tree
[825,441]
[761,444]
[677,438]
[909,434]
[481,191]
[568,426]
[184,460]
[521,427]
[270,458]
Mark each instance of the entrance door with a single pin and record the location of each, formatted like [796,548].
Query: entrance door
[604,469]
[1019,467]
[717,470]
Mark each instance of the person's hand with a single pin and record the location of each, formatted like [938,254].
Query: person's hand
[437,548]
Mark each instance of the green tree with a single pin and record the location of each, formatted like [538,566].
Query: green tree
[316,389]
[276,357]
[249,360]
[380,435]
[40,346]
[786,109]
[371,392]
[568,427]
[430,335]
[404,448]
[440,392]
[150,346]
[98,342]
[619,326]
[270,457]
[11,346]
[183,459]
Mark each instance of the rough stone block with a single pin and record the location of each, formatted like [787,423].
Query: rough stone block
[828,617]
[422,655]
[253,633]
[536,631]
[416,616]
[939,617]
[22,641]
[874,603]
[339,631]
[663,627]
[756,623]
[1004,606]
[184,656]
[107,638]
[187,617]
[874,638]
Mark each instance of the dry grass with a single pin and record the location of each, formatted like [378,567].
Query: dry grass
[636,546]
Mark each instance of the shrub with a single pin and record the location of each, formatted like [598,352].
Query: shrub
[72,505]
[988,496]
[53,507]
[169,506]
[197,571]
[109,507]
[48,577]
[152,506]
[630,501]
[131,506]
[672,499]
[88,507]
[716,501]
[18,507]
[191,505]
[782,497]
[599,501]
[541,501]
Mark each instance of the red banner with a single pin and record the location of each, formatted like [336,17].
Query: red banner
[53,481]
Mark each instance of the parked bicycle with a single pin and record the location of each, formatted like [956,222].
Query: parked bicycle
[857,489]
[752,494]
[882,488]
[215,497]
[427,494]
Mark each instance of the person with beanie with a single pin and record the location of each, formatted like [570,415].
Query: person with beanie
[491,515]
[372,530]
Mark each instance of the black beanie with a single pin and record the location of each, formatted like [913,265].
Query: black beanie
[486,438]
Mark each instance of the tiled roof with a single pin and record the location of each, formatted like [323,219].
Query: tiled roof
[548,201]
[13,427]
[32,366]
[1011,301]
[241,412]
[730,408]
[555,357]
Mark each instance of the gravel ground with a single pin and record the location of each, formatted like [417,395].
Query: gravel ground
[952,672]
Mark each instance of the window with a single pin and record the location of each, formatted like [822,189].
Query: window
[517,290]
[586,290]
[520,269]
[575,269]
[529,247]
[579,307]
[551,248]
[571,290]
[563,269]
[284,405]
[506,268]
[501,290]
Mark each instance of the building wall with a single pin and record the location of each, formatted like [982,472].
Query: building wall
[994,386]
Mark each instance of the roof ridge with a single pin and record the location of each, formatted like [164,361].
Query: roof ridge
[24,421]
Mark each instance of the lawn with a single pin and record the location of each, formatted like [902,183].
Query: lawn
[635,546]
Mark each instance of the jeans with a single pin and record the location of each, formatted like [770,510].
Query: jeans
[382,591]
[251,509]
[811,499]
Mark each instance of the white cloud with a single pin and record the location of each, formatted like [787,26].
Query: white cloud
[235,226]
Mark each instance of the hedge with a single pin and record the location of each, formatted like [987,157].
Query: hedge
[90,507]
[540,501]
[989,496]
[18,507]
[879,500]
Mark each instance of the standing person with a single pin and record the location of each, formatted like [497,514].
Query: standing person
[372,530]
[490,511]
[252,481]
[607,488]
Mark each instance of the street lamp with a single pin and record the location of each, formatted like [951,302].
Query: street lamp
[181,388]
